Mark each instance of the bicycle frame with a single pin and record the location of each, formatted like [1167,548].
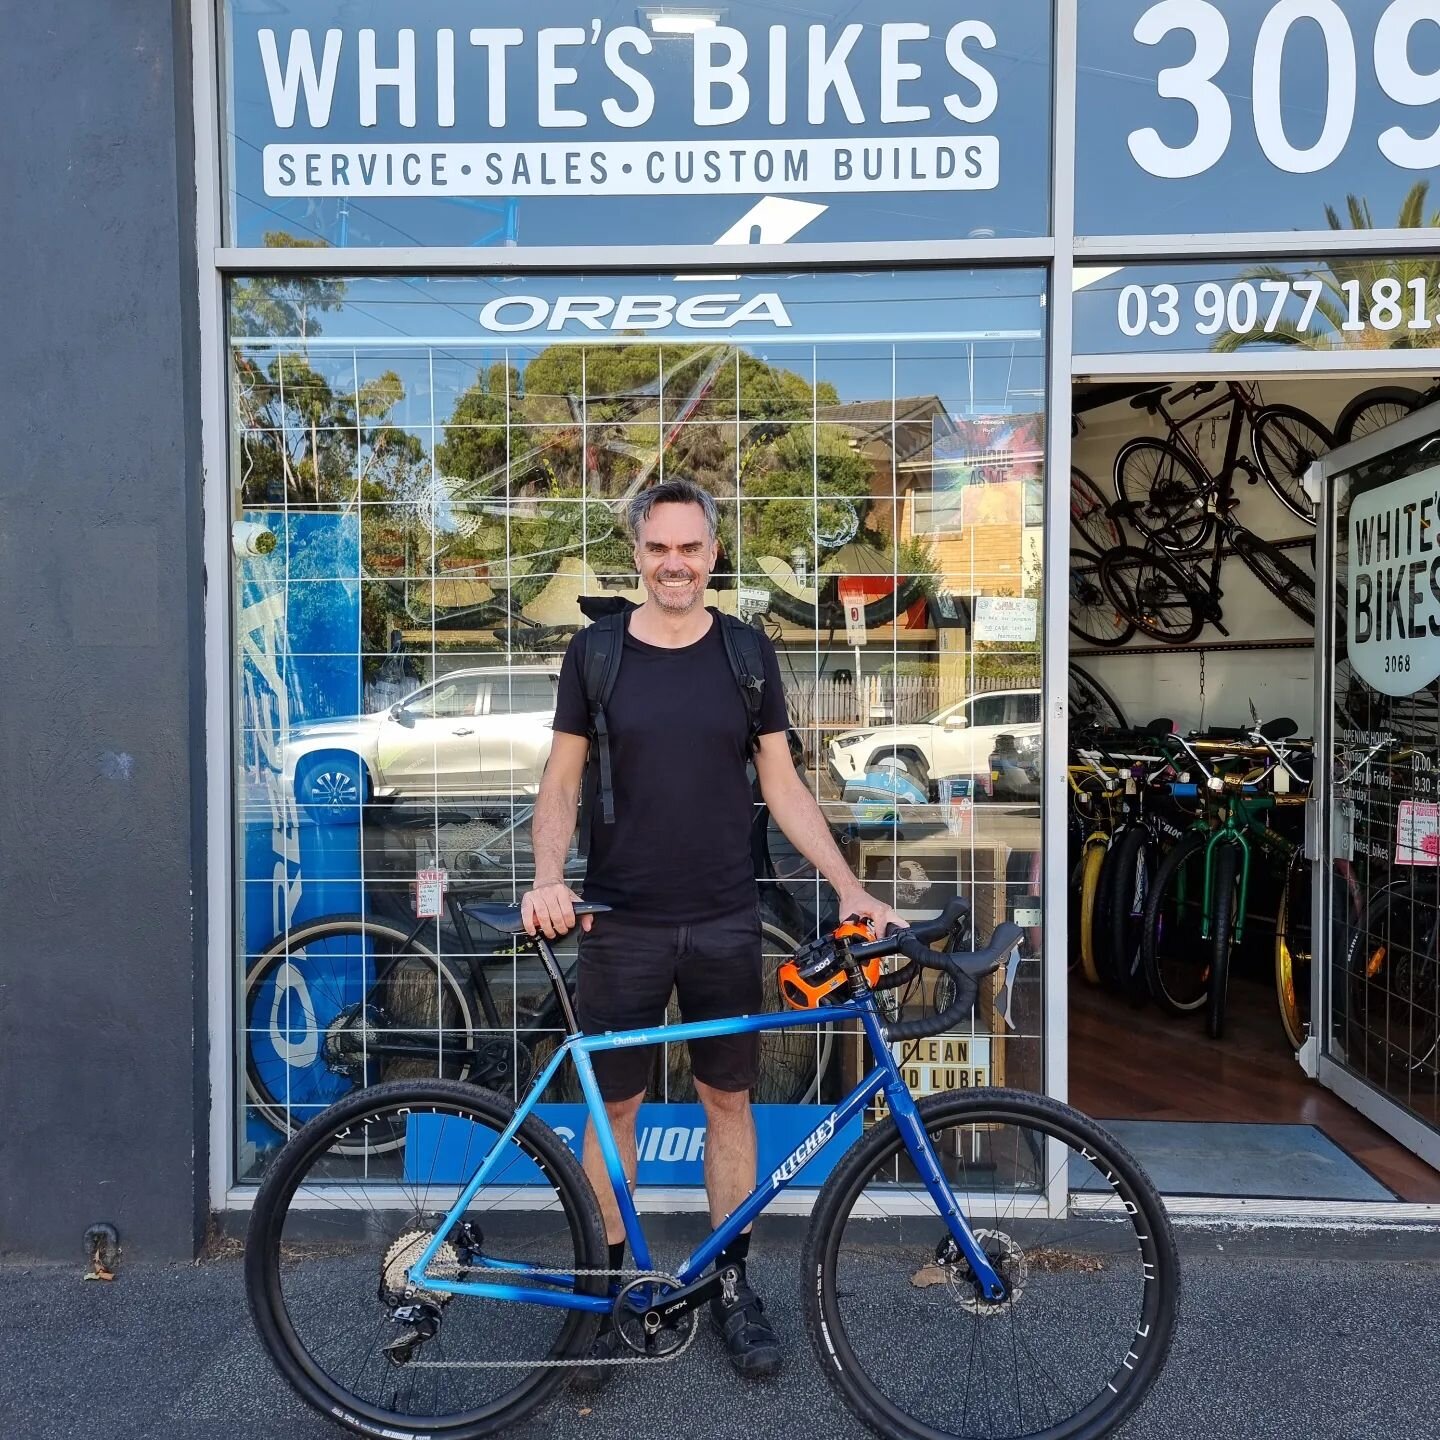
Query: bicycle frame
[885,1076]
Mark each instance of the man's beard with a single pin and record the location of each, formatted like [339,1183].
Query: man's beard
[677,600]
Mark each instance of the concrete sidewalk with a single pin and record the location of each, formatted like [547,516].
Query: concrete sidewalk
[1310,1335]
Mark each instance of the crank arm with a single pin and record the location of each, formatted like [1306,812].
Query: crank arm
[689,1297]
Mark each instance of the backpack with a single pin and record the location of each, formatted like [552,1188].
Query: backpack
[604,643]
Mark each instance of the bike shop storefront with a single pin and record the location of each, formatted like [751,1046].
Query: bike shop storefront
[442,349]
[1209,607]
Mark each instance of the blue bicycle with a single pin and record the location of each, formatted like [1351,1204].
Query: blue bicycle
[426,1258]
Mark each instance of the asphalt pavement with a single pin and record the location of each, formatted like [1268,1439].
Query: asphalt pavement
[1316,1335]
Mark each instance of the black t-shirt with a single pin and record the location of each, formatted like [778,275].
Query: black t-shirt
[679,850]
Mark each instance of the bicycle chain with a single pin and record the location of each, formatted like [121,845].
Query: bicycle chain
[584,1360]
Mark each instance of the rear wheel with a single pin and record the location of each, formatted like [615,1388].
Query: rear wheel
[332,1237]
[896,1319]
[1153,592]
[1165,491]
[348,1002]
[1176,959]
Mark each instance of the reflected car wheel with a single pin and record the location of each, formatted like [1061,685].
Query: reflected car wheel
[332,782]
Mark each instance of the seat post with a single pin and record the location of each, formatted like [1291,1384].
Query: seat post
[557,983]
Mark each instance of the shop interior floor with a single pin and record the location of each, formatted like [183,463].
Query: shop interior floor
[1280,1162]
[1138,1064]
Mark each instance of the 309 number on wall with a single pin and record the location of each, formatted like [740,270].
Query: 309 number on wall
[1194,84]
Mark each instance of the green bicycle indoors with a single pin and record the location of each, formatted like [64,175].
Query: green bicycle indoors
[1197,911]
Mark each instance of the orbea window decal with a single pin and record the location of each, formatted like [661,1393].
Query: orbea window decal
[512,313]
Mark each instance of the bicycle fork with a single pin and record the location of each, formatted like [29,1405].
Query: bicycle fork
[921,1150]
[1226,836]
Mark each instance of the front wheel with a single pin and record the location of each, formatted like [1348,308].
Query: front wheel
[1177,963]
[1287,442]
[1225,920]
[333,1237]
[1076,1231]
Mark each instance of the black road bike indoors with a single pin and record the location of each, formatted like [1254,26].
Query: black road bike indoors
[1164,485]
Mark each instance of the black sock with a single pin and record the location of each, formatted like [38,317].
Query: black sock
[735,1253]
[615,1261]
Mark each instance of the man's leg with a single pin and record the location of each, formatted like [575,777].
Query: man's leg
[729,1148]
[719,975]
[622,1115]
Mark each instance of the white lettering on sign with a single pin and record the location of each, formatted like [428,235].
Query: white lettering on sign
[513,313]
[1393,595]
[727,74]
[1248,307]
[1196,84]
[634,167]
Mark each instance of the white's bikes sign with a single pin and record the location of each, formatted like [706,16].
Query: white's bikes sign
[613,110]
[1393,593]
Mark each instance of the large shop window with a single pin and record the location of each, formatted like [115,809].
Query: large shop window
[427,473]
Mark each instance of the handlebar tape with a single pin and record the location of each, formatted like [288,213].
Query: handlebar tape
[967,968]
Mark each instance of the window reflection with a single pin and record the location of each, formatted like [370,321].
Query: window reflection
[399,644]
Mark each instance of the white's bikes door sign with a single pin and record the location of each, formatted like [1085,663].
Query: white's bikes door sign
[1393,602]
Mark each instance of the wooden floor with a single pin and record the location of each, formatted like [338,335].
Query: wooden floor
[1140,1064]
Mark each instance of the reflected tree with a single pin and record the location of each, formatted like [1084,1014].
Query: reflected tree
[1334,304]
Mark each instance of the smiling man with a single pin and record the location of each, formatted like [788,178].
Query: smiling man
[676,866]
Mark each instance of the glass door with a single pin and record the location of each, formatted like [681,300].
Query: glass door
[1376,822]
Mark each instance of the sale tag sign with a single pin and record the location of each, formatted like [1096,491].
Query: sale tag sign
[852,597]
[1417,833]
[429,894]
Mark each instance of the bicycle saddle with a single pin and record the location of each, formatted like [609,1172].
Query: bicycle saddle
[1280,729]
[1149,400]
[506,918]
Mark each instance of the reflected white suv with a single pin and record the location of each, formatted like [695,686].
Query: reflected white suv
[956,739]
[472,732]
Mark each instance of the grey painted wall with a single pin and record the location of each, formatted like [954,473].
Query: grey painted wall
[102,1050]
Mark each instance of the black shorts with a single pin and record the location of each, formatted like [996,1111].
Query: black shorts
[628,969]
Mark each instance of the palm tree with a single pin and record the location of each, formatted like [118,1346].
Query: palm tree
[1334,303]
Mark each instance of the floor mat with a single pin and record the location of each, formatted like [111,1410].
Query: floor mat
[1279,1162]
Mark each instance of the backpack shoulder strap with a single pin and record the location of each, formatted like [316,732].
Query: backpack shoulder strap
[747,664]
[599,669]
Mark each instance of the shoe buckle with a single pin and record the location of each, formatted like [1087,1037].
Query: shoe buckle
[730,1286]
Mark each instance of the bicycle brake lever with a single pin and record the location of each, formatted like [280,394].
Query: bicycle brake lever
[1006,998]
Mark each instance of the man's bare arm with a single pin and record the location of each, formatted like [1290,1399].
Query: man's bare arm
[803,824]
[549,907]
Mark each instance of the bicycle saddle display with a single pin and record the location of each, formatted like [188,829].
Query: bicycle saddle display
[506,918]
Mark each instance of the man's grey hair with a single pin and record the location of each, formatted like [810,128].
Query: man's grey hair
[671,492]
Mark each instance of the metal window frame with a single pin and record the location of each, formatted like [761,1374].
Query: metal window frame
[1060,251]
[1319,1060]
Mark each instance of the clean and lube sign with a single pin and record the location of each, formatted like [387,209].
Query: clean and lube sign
[1393,597]
[593,91]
